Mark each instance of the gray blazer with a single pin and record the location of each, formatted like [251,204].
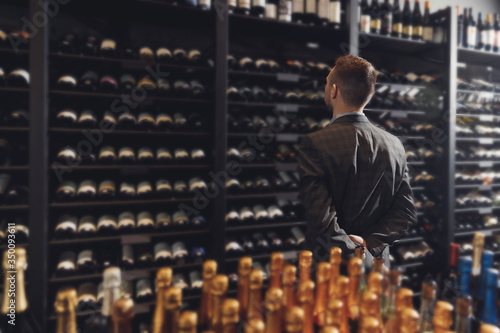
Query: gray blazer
[354,180]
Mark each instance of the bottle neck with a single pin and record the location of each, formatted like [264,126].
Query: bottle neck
[159,313]
[243,283]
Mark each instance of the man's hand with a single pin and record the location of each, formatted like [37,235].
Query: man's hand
[358,240]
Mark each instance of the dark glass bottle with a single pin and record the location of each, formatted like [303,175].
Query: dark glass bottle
[407,20]
[397,20]
[417,22]
[375,21]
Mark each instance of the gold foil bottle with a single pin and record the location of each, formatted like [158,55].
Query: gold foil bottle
[208,274]
[276,266]
[289,278]
[123,314]
[369,325]
[188,322]
[429,288]
[478,246]
[375,280]
[409,321]
[369,304]
[305,264]
[335,261]
[273,305]
[230,315]
[255,326]
[487,328]
[354,269]
[65,308]
[219,292]
[20,295]
[163,282]
[305,295]
[255,296]
[244,269]
[172,302]
[334,313]
[322,279]
[443,319]
[343,287]
[294,320]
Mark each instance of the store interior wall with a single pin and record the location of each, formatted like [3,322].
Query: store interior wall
[484,6]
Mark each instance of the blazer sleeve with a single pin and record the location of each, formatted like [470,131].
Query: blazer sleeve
[396,222]
[320,214]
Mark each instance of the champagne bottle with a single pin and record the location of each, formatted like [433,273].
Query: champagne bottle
[305,297]
[368,305]
[255,294]
[87,296]
[478,246]
[397,20]
[276,268]
[335,260]
[188,322]
[123,315]
[354,269]
[375,23]
[463,321]
[172,302]
[488,34]
[365,17]
[294,320]
[429,288]
[305,264]
[208,275]
[479,32]
[230,315]
[219,292]
[334,312]
[65,306]
[409,320]
[322,281]
[375,280]
[443,319]
[289,277]
[254,326]
[486,328]
[404,300]
[244,269]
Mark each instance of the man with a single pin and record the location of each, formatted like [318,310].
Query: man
[354,179]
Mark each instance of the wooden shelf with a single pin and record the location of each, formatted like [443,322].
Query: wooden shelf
[132,132]
[83,94]
[257,226]
[135,167]
[487,231]
[118,202]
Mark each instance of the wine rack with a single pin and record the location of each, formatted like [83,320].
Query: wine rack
[223,34]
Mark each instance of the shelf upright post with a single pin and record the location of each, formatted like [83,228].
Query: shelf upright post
[38,161]
[220,129]
[450,95]
[352,13]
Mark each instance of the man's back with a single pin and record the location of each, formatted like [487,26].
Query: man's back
[363,168]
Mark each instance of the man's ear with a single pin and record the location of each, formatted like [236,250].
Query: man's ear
[334,91]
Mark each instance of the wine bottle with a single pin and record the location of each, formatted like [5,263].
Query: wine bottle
[66,191]
[429,288]
[180,188]
[145,155]
[88,81]
[407,21]
[472,31]
[449,281]
[375,20]
[478,246]
[460,28]
[465,28]
[87,296]
[180,253]
[322,280]
[164,55]
[427,26]
[164,188]
[86,190]
[298,11]
[244,270]
[488,34]
[365,20]
[127,258]
[126,222]
[323,12]
[260,213]
[67,264]
[386,18]
[163,155]
[243,7]
[417,30]
[496,33]
[259,7]
[298,236]
[188,322]
[87,119]
[219,292]
[66,227]
[305,296]
[464,318]
[66,118]
[489,312]
[230,315]
[443,319]
[108,47]
[480,43]
[67,82]
[109,84]
[255,294]
[85,263]
[397,20]
[126,120]
[284,13]
[86,226]
[464,274]
[105,225]
[163,282]
[143,291]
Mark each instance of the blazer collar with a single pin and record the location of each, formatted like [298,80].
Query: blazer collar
[355,118]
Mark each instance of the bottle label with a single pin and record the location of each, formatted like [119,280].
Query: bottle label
[407,30]
[417,31]
[496,38]
[335,12]
[397,28]
[490,37]
[471,36]
[438,35]
[285,11]
[297,6]
[245,4]
[386,22]
[365,23]
[323,9]
[259,3]
[311,6]
[376,24]
[427,33]
[271,11]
